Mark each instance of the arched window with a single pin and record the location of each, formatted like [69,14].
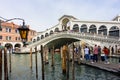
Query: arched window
[114,31]
[102,30]
[83,28]
[76,28]
[92,29]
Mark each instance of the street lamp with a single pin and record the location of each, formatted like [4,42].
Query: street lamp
[23,30]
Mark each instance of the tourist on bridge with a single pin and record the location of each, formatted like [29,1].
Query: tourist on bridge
[86,53]
[106,52]
[95,53]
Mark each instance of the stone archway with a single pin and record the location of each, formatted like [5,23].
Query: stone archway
[76,28]
[17,47]
[83,28]
[46,34]
[92,29]
[114,31]
[8,45]
[102,30]
[56,30]
[65,24]
[51,32]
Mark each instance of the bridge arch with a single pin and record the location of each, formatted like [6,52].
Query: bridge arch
[93,29]
[102,30]
[83,28]
[114,31]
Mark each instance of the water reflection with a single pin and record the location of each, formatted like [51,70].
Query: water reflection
[21,70]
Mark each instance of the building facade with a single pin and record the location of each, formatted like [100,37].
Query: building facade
[10,37]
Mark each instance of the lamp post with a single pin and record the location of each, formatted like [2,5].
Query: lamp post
[23,30]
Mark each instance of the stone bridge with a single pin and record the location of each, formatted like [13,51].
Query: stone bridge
[60,38]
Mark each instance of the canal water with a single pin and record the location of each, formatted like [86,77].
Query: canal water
[21,70]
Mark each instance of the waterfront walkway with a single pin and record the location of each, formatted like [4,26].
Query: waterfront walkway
[111,67]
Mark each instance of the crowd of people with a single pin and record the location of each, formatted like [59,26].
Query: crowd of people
[96,53]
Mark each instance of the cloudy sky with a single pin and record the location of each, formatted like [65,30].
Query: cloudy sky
[43,14]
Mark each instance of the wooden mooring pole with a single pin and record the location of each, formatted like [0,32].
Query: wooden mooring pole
[73,66]
[10,60]
[31,58]
[53,57]
[64,60]
[5,65]
[67,60]
[42,62]
[36,62]
[0,64]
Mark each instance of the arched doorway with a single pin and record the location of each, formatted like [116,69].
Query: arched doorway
[102,30]
[83,28]
[76,28]
[65,24]
[114,31]
[92,29]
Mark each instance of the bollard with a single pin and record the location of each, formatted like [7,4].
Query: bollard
[0,64]
[5,65]
[31,58]
[42,62]
[36,62]
[64,60]
[73,66]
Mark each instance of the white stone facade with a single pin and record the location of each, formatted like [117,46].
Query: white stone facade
[70,23]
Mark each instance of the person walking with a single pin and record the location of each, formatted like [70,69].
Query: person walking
[95,54]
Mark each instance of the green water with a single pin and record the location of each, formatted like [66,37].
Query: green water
[21,70]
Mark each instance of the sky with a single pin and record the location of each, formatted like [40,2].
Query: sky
[44,14]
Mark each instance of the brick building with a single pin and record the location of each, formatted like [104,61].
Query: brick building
[9,35]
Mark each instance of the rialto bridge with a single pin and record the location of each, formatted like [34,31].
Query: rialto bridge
[70,29]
